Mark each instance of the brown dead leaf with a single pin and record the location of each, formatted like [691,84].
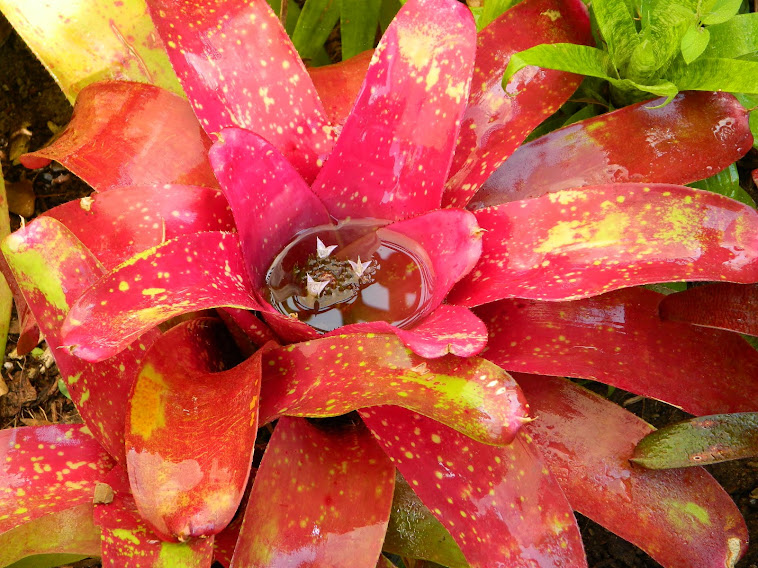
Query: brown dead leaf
[21,197]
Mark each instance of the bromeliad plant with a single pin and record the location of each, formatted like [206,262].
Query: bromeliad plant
[359,262]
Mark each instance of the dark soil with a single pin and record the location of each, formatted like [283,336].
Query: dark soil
[32,110]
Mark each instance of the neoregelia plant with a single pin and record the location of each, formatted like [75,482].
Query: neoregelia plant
[362,258]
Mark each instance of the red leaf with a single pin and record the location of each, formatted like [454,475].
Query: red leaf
[270,201]
[338,85]
[129,543]
[448,329]
[383,164]
[119,128]
[239,68]
[47,469]
[721,305]
[682,518]
[578,243]
[68,531]
[53,268]
[335,375]
[618,339]
[501,505]
[700,441]
[119,223]
[496,122]
[188,474]
[253,328]
[189,273]
[321,497]
[691,138]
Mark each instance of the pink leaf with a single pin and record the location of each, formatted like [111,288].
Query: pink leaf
[187,474]
[691,138]
[129,543]
[448,329]
[119,223]
[501,505]
[496,122]
[682,518]
[721,305]
[119,128]
[383,164]
[47,469]
[239,68]
[53,269]
[453,241]
[578,243]
[269,199]
[335,375]
[321,497]
[619,340]
[190,273]
[338,85]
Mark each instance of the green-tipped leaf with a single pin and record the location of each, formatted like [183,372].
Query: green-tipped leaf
[700,441]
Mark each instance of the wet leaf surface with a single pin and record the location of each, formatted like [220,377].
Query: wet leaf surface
[618,339]
[383,165]
[695,136]
[414,532]
[188,473]
[496,122]
[700,441]
[681,518]
[239,68]
[105,149]
[447,330]
[335,375]
[578,243]
[321,497]
[500,504]
[722,305]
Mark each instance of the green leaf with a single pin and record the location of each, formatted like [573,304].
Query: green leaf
[358,22]
[316,22]
[583,60]
[694,42]
[83,41]
[493,9]
[721,11]
[293,14]
[734,38]
[726,182]
[585,112]
[750,102]
[664,24]
[617,28]
[700,441]
[716,74]
[6,296]
[387,12]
